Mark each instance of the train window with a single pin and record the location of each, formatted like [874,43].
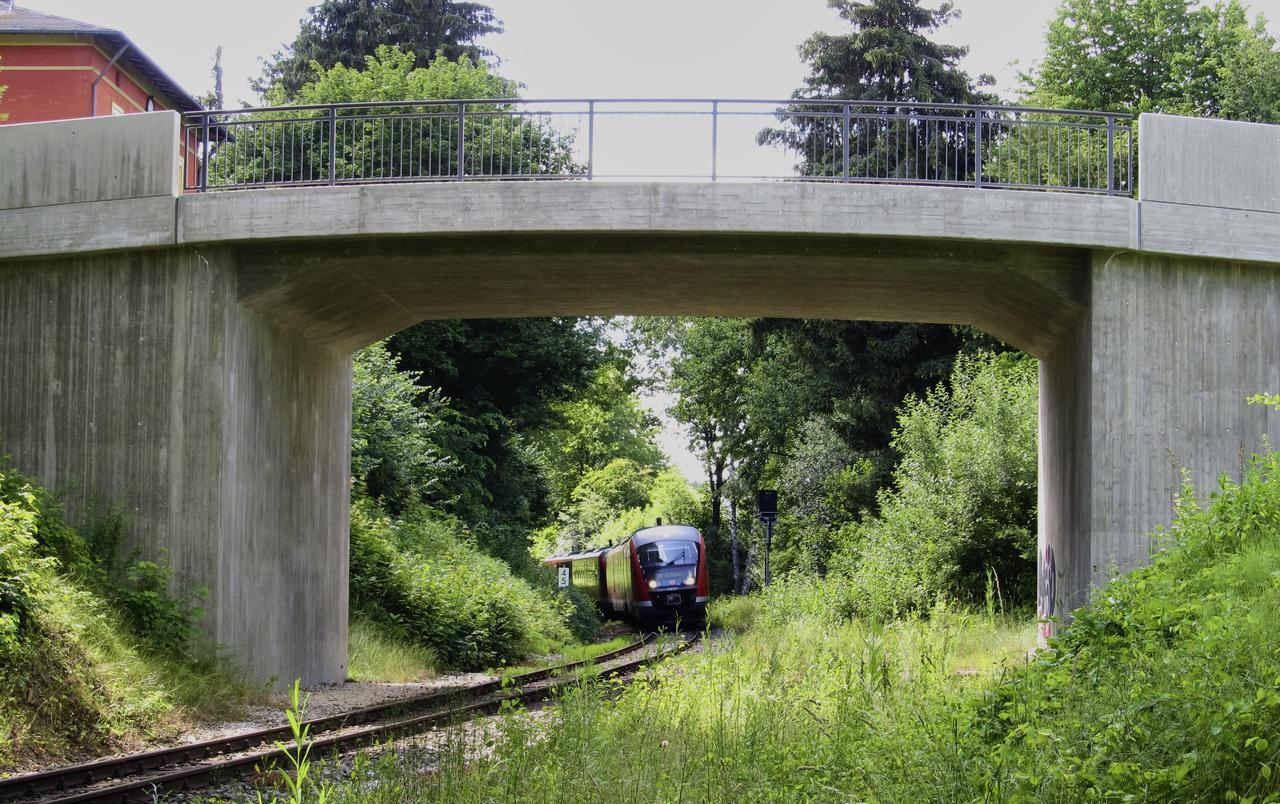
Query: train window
[669,553]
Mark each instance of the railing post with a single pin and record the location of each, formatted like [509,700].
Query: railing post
[978,123]
[333,145]
[205,151]
[1111,155]
[845,136]
[715,135]
[462,140]
[591,140]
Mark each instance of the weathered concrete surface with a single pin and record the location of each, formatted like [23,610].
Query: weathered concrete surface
[953,213]
[1209,163]
[351,292]
[137,379]
[1153,381]
[124,156]
[98,226]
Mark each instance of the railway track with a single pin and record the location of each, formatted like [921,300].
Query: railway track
[140,777]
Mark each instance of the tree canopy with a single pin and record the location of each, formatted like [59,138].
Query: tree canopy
[1171,56]
[346,31]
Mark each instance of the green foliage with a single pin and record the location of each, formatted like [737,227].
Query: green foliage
[167,624]
[92,655]
[1170,56]
[504,379]
[374,147]
[297,778]
[1271,400]
[671,498]
[419,575]
[604,422]
[346,31]
[824,486]
[396,432]
[964,494]
[23,573]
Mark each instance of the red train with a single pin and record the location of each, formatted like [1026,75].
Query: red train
[657,574]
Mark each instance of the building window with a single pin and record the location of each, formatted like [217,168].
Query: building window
[116,108]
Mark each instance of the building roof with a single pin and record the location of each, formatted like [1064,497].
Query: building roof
[26,21]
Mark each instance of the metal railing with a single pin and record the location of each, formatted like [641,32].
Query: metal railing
[676,139]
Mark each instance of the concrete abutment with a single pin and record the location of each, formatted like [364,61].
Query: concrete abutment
[137,379]
[1151,385]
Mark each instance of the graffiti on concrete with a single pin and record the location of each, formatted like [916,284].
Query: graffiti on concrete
[1046,597]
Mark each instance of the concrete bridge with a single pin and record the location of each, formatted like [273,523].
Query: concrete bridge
[189,354]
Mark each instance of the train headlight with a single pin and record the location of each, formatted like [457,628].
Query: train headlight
[688,581]
[653,584]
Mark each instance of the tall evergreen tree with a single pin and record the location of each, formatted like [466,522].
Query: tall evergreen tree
[867,368]
[886,60]
[346,31]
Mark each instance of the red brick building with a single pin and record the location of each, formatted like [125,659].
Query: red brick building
[57,69]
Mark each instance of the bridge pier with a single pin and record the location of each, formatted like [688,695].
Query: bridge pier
[1152,382]
[136,378]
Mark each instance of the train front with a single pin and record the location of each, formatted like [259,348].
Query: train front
[673,564]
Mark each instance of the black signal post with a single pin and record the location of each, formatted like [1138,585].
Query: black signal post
[767,506]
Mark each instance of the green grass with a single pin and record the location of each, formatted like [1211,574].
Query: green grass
[373,654]
[87,666]
[83,683]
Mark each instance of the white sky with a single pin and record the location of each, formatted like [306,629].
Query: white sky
[580,48]
[586,48]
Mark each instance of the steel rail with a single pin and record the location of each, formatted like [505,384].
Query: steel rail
[79,776]
[189,778]
[980,145]
[784,103]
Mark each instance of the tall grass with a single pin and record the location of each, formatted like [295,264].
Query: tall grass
[86,667]
[373,654]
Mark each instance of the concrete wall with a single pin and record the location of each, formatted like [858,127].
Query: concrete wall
[90,159]
[1209,163]
[137,379]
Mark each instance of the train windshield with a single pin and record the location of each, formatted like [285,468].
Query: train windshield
[669,553]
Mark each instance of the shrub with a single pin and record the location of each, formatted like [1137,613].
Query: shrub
[165,623]
[419,575]
[22,571]
[964,496]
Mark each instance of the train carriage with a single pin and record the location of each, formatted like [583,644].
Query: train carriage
[587,574]
[658,574]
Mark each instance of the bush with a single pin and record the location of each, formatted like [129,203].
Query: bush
[23,573]
[963,504]
[167,624]
[419,574]
[86,664]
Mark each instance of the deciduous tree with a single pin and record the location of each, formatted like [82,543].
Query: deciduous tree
[1171,56]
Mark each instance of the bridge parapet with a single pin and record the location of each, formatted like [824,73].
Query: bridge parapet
[90,159]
